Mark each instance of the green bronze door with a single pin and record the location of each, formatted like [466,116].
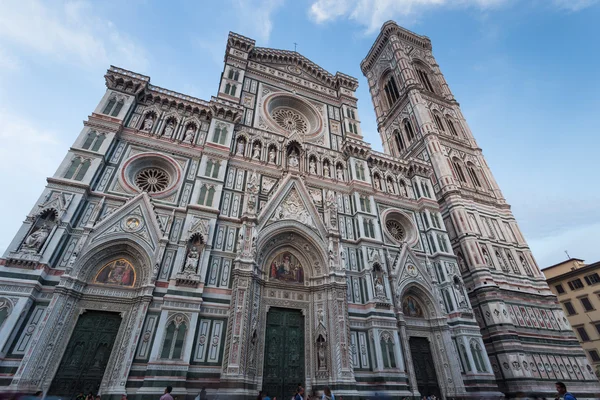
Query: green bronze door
[87,354]
[284,353]
[424,367]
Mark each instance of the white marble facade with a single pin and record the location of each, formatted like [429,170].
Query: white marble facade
[191,219]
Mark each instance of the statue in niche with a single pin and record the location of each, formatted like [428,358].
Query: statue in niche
[256,151]
[287,268]
[36,239]
[118,272]
[293,159]
[411,307]
[272,155]
[189,134]
[403,190]
[191,261]
[377,183]
[340,173]
[390,186]
[241,146]
[312,166]
[326,172]
[253,183]
[379,290]
[460,292]
[148,123]
[321,355]
[169,129]
[486,257]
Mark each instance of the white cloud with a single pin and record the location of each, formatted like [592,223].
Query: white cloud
[67,32]
[255,18]
[373,13]
[575,5]
[27,156]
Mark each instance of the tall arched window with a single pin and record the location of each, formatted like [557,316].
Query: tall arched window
[75,163]
[478,356]
[459,171]
[451,126]
[117,109]
[438,122]
[410,133]
[99,140]
[173,343]
[525,265]
[109,106]
[465,358]
[424,79]
[473,174]
[399,141]
[448,301]
[82,170]
[89,140]
[387,351]
[219,135]
[391,90]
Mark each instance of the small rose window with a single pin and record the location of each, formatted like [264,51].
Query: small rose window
[395,229]
[152,180]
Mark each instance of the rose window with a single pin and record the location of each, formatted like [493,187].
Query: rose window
[395,229]
[152,180]
[290,120]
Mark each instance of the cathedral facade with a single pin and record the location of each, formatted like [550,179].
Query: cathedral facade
[254,241]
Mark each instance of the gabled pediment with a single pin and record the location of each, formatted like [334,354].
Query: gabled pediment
[411,270]
[292,202]
[135,220]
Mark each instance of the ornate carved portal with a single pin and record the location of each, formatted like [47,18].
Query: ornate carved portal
[284,352]
[424,367]
[86,356]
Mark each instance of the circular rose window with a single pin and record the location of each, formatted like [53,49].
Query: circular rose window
[154,173]
[395,229]
[399,227]
[292,114]
[290,120]
[152,180]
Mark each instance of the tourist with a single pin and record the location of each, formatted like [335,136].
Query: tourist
[561,388]
[90,396]
[327,395]
[299,393]
[167,395]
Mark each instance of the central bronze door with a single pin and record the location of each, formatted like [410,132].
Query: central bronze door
[84,361]
[424,367]
[284,353]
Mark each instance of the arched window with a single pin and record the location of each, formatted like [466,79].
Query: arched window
[360,170]
[473,174]
[387,351]
[230,89]
[117,109]
[230,75]
[432,244]
[478,357]
[451,126]
[82,170]
[459,171]
[464,358]
[526,266]
[236,76]
[212,169]
[173,343]
[442,242]
[109,106]
[75,163]
[410,134]
[219,135]
[399,141]
[210,196]
[424,79]
[89,140]
[202,197]
[438,122]
[440,272]
[391,91]
[99,140]
[425,188]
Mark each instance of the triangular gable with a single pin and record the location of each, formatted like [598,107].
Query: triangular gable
[411,269]
[292,201]
[135,219]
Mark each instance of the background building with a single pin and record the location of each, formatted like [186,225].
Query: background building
[577,286]
[254,240]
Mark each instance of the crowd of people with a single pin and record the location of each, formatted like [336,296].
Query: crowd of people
[561,394]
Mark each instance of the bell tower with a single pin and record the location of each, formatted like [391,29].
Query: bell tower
[527,336]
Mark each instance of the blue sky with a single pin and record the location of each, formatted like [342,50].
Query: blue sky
[524,72]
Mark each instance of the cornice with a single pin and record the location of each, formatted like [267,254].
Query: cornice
[287,57]
[388,29]
[133,136]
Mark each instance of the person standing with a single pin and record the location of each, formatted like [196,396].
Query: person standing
[561,389]
[299,394]
[327,395]
[167,395]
